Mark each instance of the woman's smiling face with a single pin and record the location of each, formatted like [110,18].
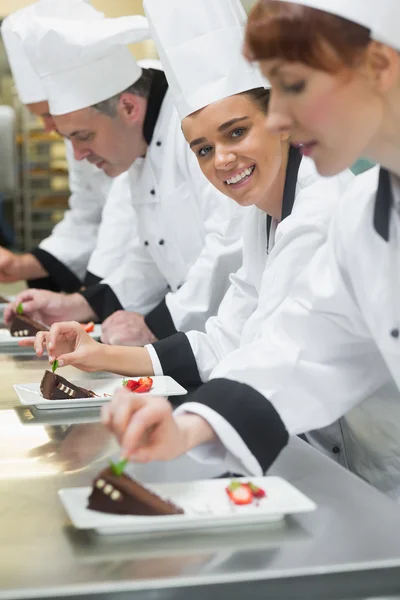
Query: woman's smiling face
[234,149]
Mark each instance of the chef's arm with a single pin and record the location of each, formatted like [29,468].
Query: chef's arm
[314,362]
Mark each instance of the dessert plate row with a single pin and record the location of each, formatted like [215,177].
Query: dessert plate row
[29,393]
[205,504]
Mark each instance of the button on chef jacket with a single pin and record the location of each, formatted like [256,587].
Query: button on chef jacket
[66,252]
[189,235]
[329,352]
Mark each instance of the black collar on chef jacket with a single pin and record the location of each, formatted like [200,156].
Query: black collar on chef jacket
[289,192]
[383,204]
[158,89]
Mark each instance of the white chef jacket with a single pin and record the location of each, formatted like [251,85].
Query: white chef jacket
[188,242]
[331,351]
[117,232]
[65,253]
[265,277]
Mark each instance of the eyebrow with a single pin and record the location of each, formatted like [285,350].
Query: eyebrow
[228,124]
[222,127]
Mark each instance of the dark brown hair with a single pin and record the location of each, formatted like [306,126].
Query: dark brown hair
[297,33]
[259,96]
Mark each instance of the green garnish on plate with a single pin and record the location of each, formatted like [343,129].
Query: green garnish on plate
[118,468]
[20,309]
[54,366]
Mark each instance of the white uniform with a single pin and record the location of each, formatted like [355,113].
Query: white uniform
[266,275]
[65,253]
[189,239]
[331,351]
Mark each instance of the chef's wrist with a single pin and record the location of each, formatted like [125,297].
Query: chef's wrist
[126,360]
[79,309]
[28,267]
[195,430]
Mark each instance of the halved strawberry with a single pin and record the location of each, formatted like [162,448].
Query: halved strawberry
[256,491]
[132,385]
[239,493]
[144,385]
[88,327]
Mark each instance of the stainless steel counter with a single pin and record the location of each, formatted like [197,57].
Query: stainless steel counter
[348,548]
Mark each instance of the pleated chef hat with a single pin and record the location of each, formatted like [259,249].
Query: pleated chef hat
[200,47]
[382,17]
[27,82]
[81,65]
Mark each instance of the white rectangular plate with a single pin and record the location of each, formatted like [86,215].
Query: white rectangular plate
[7,340]
[29,393]
[205,503]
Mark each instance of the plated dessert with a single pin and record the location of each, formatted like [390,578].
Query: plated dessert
[23,326]
[119,494]
[55,387]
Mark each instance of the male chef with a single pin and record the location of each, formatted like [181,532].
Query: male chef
[61,260]
[122,118]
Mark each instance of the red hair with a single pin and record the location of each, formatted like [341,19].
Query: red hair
[297,33]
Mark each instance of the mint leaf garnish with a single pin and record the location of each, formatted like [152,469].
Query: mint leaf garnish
[125,382]
[118,468]
[54,366]
[20,309]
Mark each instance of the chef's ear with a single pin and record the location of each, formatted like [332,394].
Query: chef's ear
[382,64]
[284,137]
[131,108]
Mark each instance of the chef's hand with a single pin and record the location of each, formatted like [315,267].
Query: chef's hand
[70,345]
[126,329]
[14,267]
[147,430]
[50,307]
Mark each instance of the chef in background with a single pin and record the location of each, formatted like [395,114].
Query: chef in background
[189,234]
[61,260]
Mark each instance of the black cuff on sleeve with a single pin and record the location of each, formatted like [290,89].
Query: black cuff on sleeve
[250,414]
[177,360]
[91,279]
[102,299]
[160,322]
[60,276]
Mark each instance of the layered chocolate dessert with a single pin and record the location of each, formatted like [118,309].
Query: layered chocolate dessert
[4,300]
[121,495]
[22,326]
[55,387]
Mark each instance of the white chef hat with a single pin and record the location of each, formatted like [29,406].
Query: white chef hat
[382,17]
[81,65]
[27,82]
[200,47]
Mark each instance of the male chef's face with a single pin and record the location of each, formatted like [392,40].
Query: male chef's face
[41,109]
[113,141]
[234,150]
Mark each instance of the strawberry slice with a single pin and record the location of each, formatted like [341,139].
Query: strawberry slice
[256,491]
[131,384]
[88,327]
[144,385]
[239,493]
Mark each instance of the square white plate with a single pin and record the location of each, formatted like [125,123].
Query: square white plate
[29,393]
[7,340]
[205,503]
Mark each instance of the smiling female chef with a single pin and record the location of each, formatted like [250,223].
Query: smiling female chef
[253,167]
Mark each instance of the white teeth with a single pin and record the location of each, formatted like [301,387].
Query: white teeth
[240,176]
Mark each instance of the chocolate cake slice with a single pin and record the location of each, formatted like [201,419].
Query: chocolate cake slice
[4,300]
[22,326]
[121,495]
[55,387]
